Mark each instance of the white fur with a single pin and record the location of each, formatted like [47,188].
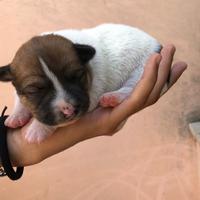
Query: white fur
[57,85]
[121,51]
[38,131]
[19,116]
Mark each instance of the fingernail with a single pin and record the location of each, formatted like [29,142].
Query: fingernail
[171,47]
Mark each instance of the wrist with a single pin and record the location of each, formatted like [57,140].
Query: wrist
[21,153]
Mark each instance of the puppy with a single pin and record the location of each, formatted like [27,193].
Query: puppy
[59,76]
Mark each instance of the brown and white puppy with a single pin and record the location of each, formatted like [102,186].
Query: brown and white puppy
[52,98]
[59,76]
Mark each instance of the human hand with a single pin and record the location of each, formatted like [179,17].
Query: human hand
[158,71]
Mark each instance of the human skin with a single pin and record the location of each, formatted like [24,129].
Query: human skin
[102,121]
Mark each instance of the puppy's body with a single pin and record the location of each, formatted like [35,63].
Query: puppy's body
[121,52]
[114,63]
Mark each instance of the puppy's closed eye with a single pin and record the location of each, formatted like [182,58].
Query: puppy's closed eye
[33,89]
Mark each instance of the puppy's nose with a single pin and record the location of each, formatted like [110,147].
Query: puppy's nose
[67,109]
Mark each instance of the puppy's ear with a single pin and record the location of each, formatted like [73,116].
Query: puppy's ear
[85,52]
[5,73]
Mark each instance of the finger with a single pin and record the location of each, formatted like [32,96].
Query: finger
[176,71]
[138,98]
[163,73]
[119,127]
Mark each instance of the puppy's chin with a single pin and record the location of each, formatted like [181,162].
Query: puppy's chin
[68,123]
[58,121]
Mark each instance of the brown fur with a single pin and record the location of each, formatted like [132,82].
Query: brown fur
[59,60]
[58,53]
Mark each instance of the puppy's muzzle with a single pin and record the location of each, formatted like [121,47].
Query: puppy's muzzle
[65,108]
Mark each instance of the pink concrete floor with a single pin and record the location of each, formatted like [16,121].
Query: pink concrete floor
[154,157]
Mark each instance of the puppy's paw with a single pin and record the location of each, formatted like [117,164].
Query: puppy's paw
[37,134]
[17,120]
[110,99]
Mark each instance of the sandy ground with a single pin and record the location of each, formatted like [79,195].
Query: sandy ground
[154,157]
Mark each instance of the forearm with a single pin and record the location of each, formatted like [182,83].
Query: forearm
[23,153]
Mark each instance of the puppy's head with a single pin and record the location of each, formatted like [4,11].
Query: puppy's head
[52,78]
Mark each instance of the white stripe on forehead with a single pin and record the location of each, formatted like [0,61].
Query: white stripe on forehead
[57,85]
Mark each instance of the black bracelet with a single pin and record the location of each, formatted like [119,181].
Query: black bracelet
[4,154]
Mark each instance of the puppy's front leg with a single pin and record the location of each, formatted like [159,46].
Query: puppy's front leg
[20,115]
[38,131]
[114,98]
